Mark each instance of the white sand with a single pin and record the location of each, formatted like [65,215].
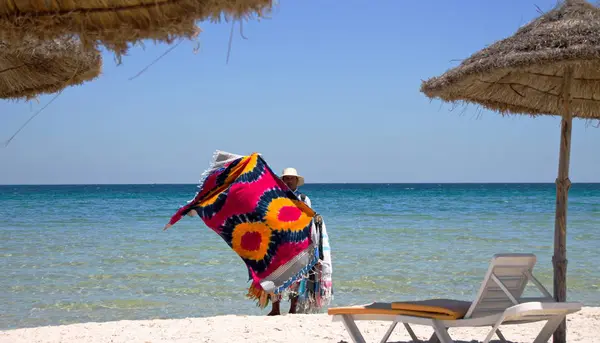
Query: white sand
[283,329]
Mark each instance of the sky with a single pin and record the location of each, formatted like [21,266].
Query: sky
[330,89]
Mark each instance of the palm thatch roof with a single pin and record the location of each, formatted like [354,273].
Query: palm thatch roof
[117,23]
[36,67]
[524,73]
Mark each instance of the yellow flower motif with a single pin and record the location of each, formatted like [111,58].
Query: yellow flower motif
[287,214]
[251,240]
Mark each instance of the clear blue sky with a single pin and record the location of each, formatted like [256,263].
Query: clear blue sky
[329,87]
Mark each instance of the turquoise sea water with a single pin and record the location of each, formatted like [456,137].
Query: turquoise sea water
[97,253]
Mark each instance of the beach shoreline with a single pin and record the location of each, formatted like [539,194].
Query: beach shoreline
[282,329]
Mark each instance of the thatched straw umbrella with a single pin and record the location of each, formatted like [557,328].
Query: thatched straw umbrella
[36,67]
[117,23]
[551,66]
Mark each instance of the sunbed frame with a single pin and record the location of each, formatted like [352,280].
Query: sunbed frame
[498,302]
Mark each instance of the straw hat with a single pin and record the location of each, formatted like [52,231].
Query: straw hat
[293,172]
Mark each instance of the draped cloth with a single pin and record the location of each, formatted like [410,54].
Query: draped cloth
[260,218]
[316,291]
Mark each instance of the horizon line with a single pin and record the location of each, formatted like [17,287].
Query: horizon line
[307,183]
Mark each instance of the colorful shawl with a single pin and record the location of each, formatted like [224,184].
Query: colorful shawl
[260,218]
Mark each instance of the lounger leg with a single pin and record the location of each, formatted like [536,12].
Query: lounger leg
[412,333]
[493,331]
[549,329]
[501,336]
[388,333]
[434,338]
[441,332]
[352,329]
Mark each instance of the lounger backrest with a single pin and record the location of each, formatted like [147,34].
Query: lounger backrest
[504,284]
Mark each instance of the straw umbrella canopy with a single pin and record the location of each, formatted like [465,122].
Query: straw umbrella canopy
[42,67]
[117,23]
[550,66]
[36,67]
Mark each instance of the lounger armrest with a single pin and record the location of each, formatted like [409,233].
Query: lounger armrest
[541,309]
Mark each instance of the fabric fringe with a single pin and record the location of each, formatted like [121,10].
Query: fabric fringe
[259,295]
[213,164]
[317,291]
[302,274]
[262,298]
[211,167]
[314,296]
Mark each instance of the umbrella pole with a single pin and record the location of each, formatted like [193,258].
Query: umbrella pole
[559,260]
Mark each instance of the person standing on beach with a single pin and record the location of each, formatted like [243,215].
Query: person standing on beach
[309,295]
[291,178]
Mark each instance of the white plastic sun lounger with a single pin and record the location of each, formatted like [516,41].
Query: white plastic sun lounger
[498,302]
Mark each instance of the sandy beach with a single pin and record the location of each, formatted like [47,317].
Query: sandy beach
[283,329]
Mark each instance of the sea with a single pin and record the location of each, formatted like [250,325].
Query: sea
[95,253]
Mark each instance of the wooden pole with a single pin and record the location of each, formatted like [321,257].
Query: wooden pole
[559,260]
